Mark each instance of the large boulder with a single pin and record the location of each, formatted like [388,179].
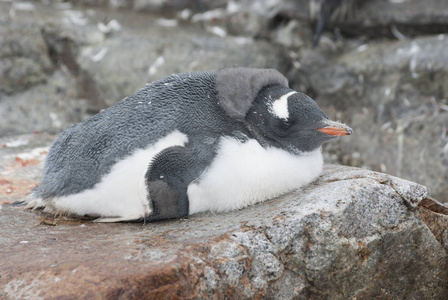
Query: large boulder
[351,234]
[394,95]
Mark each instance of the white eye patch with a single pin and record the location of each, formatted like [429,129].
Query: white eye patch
[279,107]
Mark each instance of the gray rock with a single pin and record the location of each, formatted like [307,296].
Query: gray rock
[394,95]
[149,51]
[24,62]
[412,13]
[159,6]
[394,19]
[49,107]
[351,234]
[35,94]
[377,19]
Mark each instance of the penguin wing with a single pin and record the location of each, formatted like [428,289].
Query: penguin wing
[237,88]
[168,177]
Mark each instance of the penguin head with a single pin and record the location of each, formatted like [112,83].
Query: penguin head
[291,120]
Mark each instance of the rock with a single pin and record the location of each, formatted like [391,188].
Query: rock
[410,18]
[394,95]
[34,88]
[351,234]
[23,62]
[159,6]
[375,19]
[89,65]
[49,107]
[435,216]
[148,51]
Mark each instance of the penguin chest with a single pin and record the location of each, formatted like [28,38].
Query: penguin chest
[246,173]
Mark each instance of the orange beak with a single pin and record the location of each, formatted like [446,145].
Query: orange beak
[336,128]
[334,131]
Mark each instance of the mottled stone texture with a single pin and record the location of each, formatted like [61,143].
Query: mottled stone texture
[352,234]
[394,95]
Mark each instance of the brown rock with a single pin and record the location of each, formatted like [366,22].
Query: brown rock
[351,234]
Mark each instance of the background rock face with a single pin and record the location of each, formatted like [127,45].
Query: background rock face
[351,234]
[394,94]
[381,66]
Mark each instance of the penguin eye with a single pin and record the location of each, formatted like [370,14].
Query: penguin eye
[284,124]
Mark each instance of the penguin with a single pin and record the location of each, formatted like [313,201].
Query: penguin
[187,143]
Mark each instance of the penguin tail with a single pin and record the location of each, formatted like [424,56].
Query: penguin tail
[31,201]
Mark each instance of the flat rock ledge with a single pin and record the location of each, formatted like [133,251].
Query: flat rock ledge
[352,234]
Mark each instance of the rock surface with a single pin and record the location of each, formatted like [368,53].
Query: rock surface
[352,234]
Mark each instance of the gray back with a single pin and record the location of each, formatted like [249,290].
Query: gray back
[85,152]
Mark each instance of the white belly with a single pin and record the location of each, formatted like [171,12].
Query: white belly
[246,173]
[122,194]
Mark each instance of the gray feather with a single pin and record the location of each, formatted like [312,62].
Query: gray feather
[237,88]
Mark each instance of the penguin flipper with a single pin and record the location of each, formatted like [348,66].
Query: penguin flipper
[168,177]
